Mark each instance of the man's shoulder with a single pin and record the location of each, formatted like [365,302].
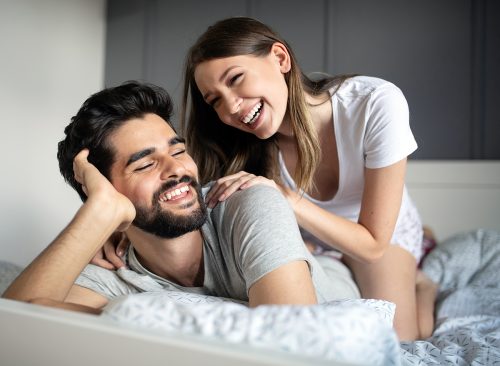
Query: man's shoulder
[257,198]
[259,191]
[256,195]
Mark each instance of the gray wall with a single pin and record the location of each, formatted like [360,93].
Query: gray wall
[52,60]
[444,54]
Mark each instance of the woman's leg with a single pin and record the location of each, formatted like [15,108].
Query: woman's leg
[426,298]
[392,278]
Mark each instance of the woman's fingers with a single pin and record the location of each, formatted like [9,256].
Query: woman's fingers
[223,190]
[110,254]
[99,260]
[226,186]
[122,247]
[221,185]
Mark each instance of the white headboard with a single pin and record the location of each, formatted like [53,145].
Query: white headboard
[456,196]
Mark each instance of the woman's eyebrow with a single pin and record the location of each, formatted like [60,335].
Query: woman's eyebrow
[176,140]
[224,74]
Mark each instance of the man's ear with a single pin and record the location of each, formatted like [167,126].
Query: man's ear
[282,56]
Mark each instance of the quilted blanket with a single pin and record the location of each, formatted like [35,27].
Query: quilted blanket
[467,332]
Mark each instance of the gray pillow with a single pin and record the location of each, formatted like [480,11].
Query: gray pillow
[8,272]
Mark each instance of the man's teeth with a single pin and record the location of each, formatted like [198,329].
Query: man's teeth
[173,193]
[253,114]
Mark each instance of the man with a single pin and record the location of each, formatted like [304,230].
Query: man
[134,175]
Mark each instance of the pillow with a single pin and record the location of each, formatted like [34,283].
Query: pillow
[356,331]
[8,272]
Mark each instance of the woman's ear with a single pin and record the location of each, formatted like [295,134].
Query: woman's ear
[280,52]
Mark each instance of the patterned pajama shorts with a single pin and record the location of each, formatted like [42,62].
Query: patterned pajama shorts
[409,233]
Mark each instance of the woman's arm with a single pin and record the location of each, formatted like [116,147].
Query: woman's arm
[367,239]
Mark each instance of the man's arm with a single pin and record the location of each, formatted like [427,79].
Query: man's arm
[269,247]
[50,277]
[289,284]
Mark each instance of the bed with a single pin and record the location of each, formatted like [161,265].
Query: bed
[163,329]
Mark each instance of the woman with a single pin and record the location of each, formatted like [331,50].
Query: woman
[335,146]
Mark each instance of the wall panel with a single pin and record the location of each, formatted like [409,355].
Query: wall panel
[444,54]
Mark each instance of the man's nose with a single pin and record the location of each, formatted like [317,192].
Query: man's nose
[172,168]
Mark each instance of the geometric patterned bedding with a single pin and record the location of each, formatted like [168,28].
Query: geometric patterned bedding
[467,267]
[467,332]
[350,331]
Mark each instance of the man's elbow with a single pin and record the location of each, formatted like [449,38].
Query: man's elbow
[11,294]
[66,306]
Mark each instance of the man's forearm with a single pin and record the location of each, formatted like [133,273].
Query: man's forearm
[52,274]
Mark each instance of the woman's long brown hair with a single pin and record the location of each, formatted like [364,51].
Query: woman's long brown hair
[219,149]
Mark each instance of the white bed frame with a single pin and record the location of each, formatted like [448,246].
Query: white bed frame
[456,196]
[34,335]
[451,196]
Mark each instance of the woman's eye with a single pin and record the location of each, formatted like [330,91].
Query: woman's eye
[235,78]
[213,102]
[143,167]
[179,152]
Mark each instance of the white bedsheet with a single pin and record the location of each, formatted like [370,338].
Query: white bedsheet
[467,267]
[353,331]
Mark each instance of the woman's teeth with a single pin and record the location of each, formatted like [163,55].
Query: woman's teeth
[173,193]
[253,115]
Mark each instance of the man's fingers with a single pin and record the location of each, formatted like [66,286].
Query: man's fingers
[79,163]
[82,155]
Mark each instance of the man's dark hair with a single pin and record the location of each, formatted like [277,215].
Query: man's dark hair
[100,115]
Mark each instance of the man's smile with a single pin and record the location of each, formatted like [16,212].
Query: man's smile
[174,194]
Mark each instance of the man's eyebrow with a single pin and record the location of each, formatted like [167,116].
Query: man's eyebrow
[140,154]
[224,74]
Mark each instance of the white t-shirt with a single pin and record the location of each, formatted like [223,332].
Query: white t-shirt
[372,130]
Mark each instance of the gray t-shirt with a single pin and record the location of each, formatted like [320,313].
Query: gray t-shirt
[245,237]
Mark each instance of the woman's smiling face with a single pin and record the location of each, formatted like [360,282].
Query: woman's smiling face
[247,92]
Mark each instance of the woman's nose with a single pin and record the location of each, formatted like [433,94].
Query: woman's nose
[233,104]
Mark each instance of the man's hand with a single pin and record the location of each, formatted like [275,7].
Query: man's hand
[51,276]
[99,190]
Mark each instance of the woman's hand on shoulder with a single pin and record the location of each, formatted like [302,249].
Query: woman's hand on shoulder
[226,186]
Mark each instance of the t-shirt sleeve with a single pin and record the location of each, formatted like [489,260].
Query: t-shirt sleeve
[103,281]
[262,228]
[388,138]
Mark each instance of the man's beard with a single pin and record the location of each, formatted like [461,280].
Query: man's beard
[165,224]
